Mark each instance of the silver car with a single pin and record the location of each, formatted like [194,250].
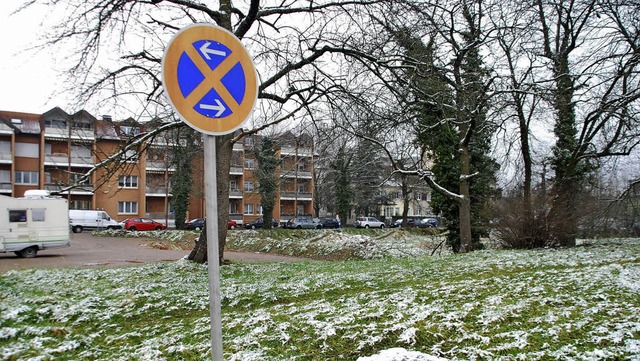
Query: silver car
[368,222]
[300,223]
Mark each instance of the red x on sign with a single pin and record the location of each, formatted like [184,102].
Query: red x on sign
[209,78]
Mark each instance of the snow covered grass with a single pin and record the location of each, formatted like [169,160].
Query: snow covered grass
[569,304]
[338,244]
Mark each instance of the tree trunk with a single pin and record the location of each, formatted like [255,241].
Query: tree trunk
[464,207]
[224,149]
[405,200]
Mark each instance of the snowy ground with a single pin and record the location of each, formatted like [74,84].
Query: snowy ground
[571,304]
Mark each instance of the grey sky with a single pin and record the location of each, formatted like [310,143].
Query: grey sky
[27,78]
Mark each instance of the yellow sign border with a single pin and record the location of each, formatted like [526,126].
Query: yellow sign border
[183,42]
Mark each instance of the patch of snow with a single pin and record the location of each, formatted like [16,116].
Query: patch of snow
[400,354]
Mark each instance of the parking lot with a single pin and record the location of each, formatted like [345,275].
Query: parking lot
[89,251]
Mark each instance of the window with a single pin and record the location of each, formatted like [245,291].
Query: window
[128,130]
[233,186]
[128,181]
[26,177]
[27,150]
[131,156]
[248,209]
[127,207]
[5,176]
[78,204]
[55,123]
[248,186]
[37,214]
[5,147]
[249,163]
[17,215]
[233,208]
[76,178]
[82,126]
[387,211]
[80,151]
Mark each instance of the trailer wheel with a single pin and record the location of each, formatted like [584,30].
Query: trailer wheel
[77,229]
[28,252]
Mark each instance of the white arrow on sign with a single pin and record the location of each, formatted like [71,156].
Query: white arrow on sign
[219,107]
[206,51]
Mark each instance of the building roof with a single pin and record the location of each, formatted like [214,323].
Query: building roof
[24,123]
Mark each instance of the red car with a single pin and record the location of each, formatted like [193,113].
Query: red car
[143,224]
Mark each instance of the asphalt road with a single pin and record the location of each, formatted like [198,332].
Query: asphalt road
[89,251]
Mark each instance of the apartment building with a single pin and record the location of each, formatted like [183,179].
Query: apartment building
[295,195]
[55,149]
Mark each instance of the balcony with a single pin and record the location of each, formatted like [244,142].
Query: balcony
[292,196]
[5,129]
[62,160]
[236,169]
[85,135]
[159,166]
[292,151]
[84,189]
[235,193]
[6,158]
[299,174]
[157,191]
[235,216]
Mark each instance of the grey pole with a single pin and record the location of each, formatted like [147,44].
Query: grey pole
[211,193]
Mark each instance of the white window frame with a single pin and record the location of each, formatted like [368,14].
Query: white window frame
[249,163]
[249,208]
[128,181]
[127,207]
[249,186]
[26,177]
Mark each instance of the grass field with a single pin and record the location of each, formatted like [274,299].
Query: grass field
[569,304]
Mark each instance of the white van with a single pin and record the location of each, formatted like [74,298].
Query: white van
[28,225]
[86,219]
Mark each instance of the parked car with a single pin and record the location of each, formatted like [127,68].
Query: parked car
[197,224]
[368,222]
[300,223]
[410,223]
[428,223]
[259,223]
[143,224]
[330,223]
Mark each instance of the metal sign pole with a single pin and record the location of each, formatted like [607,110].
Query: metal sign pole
[211,193]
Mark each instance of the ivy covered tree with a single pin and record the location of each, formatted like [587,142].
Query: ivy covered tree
[184,148]
[267,179]
[343,189]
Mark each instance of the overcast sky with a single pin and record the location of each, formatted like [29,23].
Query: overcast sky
[28,79]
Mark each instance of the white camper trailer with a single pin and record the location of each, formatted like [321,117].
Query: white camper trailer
[33,223]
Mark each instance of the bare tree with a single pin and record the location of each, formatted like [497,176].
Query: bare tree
[292,44]
[591,49]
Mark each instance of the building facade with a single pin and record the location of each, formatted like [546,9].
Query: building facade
[54,150]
